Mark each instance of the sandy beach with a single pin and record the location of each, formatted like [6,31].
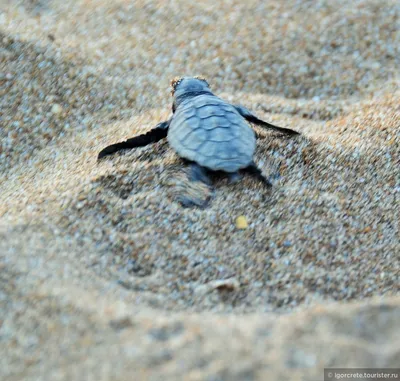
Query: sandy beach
[104,276]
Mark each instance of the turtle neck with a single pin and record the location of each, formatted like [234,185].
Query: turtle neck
[188,94]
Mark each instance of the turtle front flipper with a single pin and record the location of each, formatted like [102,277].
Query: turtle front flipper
[250,117]
[157,133]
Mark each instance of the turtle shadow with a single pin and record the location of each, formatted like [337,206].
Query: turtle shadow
[121,187]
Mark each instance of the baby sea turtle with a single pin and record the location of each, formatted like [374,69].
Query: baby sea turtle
[211,134]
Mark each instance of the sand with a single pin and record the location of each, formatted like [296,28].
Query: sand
[103,275]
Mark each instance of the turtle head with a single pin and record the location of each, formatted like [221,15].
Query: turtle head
[187,85]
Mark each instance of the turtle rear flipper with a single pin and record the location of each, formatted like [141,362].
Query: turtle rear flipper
[256,172]
[199,173]
[157,133]
[188,188]
[198,191]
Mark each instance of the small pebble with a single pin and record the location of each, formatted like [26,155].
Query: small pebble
[56,109]
[241,222]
